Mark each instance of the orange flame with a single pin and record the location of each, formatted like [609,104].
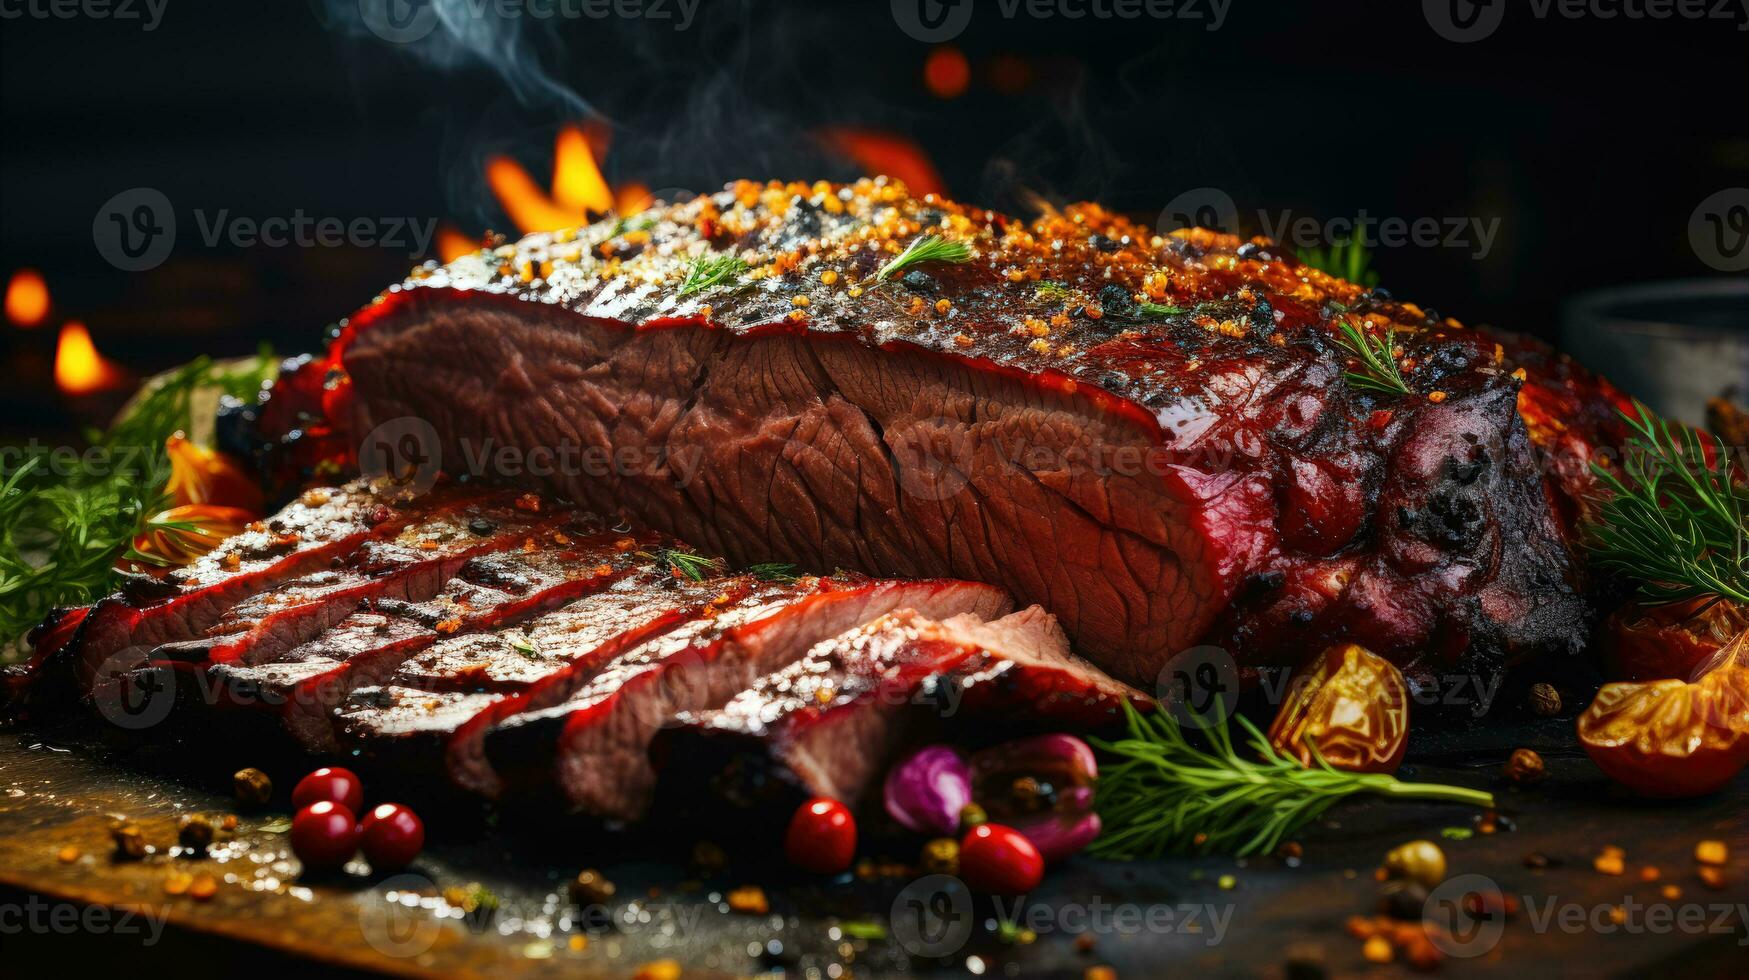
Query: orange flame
[884,153]
[27,298]
[577,181]
[452,244]
[79,369]
[528,206]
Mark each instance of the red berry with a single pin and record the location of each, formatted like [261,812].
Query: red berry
[324,835]
[1000,860]
[821,837]
[392,836]
[339,785]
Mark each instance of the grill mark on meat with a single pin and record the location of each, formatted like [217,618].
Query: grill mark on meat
[119,631]
[604,729]
[411,567]
[491,592]
[830,723]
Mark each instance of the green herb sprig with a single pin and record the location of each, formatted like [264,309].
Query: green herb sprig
[1377,371]
[1157,309]
[690,564]
[773,571]
[61,532]
[1675,521]
[1165,795]
[710,271]
[1348,260]
[929,248]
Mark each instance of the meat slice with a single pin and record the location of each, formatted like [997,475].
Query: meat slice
[115,634]
[1155,437]
[410,566]
[446,698]
[831,723]
[602,732]
[489,592]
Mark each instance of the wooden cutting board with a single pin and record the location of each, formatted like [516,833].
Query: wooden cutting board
[67,901]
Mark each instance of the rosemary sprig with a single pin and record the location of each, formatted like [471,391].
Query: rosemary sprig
[63,528]
[1348,260]
[1378,361]
[1675,521]
[690,564]
[712,270]
[773,571]
[1164,795]
[929,248]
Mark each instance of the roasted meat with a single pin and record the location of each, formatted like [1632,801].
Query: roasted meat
[1155,438]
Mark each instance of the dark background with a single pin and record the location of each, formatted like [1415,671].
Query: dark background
[1591,140]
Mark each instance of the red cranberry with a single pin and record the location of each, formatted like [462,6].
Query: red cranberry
[821,837]
[339,785]
[324,835]
[1000,860]
[392,836]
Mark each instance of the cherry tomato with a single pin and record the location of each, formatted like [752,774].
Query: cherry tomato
[392,836]
[1648,643]
[1351,706]
[342,786]
[999,859]
[1672,738]
[821,836]
[324,835]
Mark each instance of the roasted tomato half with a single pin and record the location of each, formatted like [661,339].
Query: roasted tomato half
[1351,707]
[1674,738]
[1646,643]
[202,476]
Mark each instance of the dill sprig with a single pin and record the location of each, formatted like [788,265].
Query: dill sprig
[929,248]
[1165,795]
[1675,519]
[1378,361]
[63,528]
[709,271]
[690,564]
[1348,260]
